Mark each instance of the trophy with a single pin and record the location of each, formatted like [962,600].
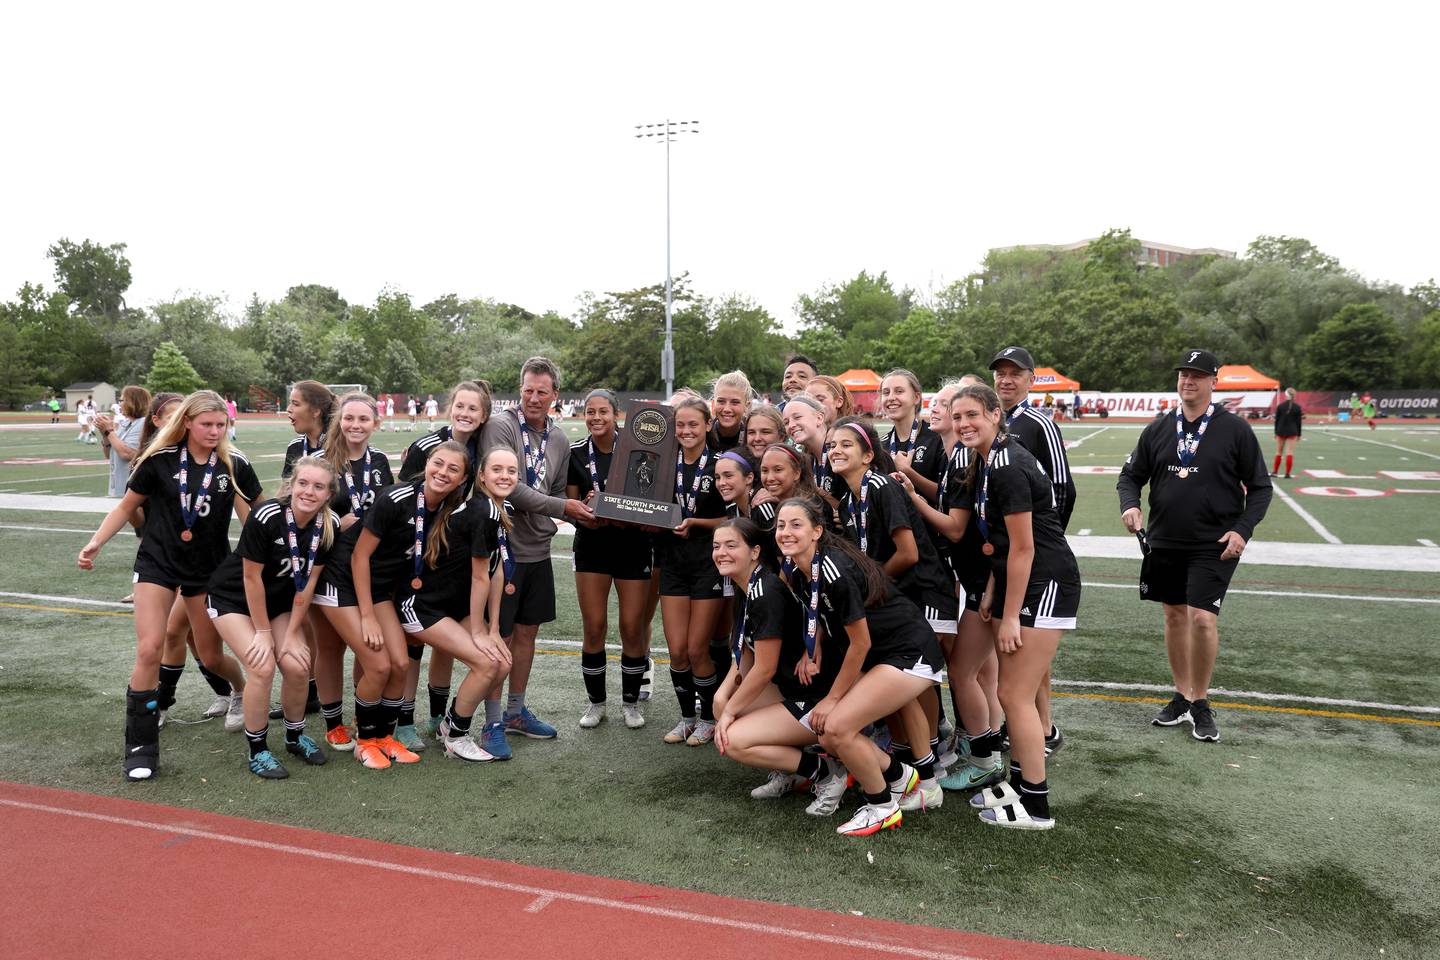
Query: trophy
[641,484]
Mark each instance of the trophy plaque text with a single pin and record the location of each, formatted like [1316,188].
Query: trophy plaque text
[641,484]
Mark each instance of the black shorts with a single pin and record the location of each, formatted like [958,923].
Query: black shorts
[217,607]
[1194,578]
[146,571]
[340,591]
[800,710]
[973,591]
[533,601]
[614,552]
[941,610]
[419,612]
[693,580]
[1049,604]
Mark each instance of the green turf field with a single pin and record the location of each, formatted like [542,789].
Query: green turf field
[1306,833]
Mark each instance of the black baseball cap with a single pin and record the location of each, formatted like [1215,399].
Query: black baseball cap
[1202,360]
[1016,355]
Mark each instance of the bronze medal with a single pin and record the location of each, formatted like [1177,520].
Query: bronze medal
[186,535]
[510,589]
[415,584]
[988,549]
[1183,472]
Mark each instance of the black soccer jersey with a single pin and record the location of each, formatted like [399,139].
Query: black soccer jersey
[265,540]
[1018,484]
[392,520]
[608,546]
[297,448]
[1038,433]
[708,505]
[888,508]
[927,452]
[972,568]
[770,611]
[162,549]
[366,484]
[471,531]
[1287,419]
[412,466]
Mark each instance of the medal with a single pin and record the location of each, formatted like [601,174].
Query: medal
[416,583]
[534,462]
[687,501]
[988,549]
[510,589]
[1183,472]
[419,534]
[1184,452]
[301,572]
[190,512]
[910,445]
[507,563]
[982,496]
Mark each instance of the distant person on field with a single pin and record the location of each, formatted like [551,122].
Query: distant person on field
[410,410]
[54,406]
[85,417]
[233,411]
[1287,431]
[431,408]
[389,422]
[1367,407]
[1208,492]
[1354,404]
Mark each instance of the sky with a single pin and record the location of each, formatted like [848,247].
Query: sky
[488,150]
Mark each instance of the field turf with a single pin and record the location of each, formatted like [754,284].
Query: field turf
[1307,832]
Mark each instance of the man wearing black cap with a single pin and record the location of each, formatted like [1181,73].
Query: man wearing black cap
[1014,371]
[1208,492]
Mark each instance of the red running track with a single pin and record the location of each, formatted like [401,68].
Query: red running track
[88,876]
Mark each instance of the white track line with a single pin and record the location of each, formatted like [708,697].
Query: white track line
[1287,593]
[1305,515]
[539,893]
[1248,695]
[80,600]
[1381,443]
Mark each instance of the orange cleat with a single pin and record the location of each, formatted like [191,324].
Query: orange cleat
[340,739]
[397,751]
[371,754]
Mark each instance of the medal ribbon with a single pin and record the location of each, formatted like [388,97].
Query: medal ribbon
[739,647]
[299,572]
[1020,408]
[1187,456]
[687,501]
[594,473]
[983,494]
[914,432]
[190,512]
[861,514]
[357,500]
[507,562]
[419,531]
[534,463]
[812,613]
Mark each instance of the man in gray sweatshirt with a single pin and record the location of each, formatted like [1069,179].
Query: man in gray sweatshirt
[543,452]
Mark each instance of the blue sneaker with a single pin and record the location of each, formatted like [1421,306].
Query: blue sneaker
[492,741]
[529,725]
[265,766]
[307,750]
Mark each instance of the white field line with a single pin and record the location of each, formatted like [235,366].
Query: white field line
[1425,543]
[1306,515]
[1247,695]
[73,476]
[1288,593]
[1381,443]
[1072,444]
[547,894]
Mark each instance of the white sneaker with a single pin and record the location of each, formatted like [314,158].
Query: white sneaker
[465,748]
[1016,817]
[949,754]
[681,732]
[218,708]
[634,719]
[235,714]
[594,713]
[1000,795]
[928,796]
[703,733]
[779,784]
[829,791]
[871,818]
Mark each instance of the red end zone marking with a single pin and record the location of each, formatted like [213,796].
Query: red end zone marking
[124,857]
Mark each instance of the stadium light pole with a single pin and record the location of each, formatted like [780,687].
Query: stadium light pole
[667,131]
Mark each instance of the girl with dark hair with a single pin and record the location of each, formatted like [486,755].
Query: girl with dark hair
[733,476]
[785,472]
[606,555]
[880,658]
[310,409]
[763,426]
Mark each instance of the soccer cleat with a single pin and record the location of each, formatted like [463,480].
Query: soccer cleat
[370,754]
[634,718]
[307,750]
[703,733]
[1016,817]
[397,751]
[1174,713]
[681,731]
[949,754]
[431,729]
[779,784]
[1054,743]
[463,747]
[908,782]
[527,724]
[128,598]
[945,730]
[218,708]
[1202,722]
[975,774]
[492,738]
[871,818]
[923,797]
[410,738]
[594,713]
[235,714]
[829,790]
[340,739]
[997,796]
[266,767]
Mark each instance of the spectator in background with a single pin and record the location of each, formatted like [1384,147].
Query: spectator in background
[1367,408]
[1287,431]
[233,411]
[120,435]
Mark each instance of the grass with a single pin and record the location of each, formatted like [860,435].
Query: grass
[1297,836]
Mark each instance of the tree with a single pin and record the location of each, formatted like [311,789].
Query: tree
[861,311]
[1357,349]
[919,344]
[345,359]
[399,370]
[1292,251]
[94,277]
[171,371]
[1423,363]
[18,382]
[291,348]
[744,336]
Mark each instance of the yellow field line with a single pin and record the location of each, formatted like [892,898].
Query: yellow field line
[1111,697]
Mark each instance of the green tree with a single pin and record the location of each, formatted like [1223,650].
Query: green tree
[621,335]
[399,370]
[1357,349]
[1294,252]
[291,349]
[744,336]
[921,345]
[1423,362]
[171,371]
[18,381]
[344,358]
[94,277]
[860,311]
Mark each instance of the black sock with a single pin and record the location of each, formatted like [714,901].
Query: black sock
[293,729]
[809,766]
[332,715]
[256,740]
[982,746]
[169,679]
[880,799]
[312,695]
[1015,777]
[219,684]
[592,669]
[458,723]
[368,719]
[389,716]
[439,696]
[901,751]
[925,766]
[632,672]
[721,657]
[684,692]
[895,771]
[406,716]
[705,687]
[935,746]
[1035,798]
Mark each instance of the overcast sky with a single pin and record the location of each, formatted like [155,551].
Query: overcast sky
[487,149]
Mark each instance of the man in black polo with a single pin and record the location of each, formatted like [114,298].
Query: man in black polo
[1208,492]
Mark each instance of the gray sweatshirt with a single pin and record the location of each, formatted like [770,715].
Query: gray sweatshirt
[534,506]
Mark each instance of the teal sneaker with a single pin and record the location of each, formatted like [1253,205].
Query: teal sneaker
[974,774]
[410,738]
[266,767]
[307,750]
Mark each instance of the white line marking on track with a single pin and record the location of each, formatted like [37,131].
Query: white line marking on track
[1248,695]
[1392,446]
[1288,593]
[1305,515]
[80,600]
[1425,543]
[769,930]
[539,903]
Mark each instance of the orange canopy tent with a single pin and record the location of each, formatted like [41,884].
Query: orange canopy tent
[1239,376]
[864,387]
[1050,380]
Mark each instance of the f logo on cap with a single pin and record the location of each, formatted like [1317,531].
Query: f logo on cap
[1193,355]
[1010,350]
